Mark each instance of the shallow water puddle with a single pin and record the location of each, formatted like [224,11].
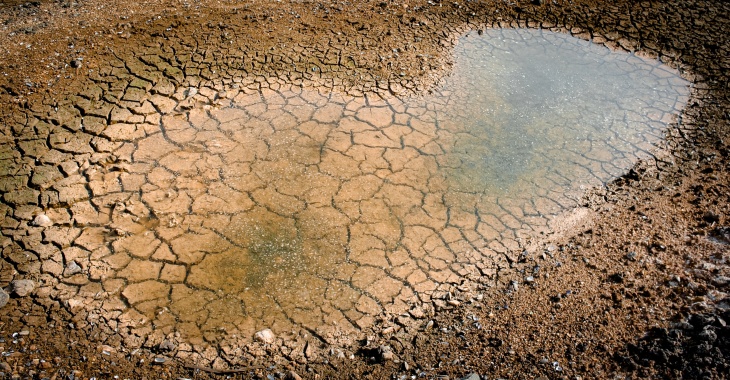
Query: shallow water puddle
[290,208]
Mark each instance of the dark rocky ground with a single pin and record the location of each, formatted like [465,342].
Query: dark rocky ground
[696,348]
[640,291]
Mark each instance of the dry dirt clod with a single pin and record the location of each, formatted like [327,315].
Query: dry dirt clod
[291,375]
[4,298]
[386,353]
[22,288]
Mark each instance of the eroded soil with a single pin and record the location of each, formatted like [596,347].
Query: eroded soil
[84,83]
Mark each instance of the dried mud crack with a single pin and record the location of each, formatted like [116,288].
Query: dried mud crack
[153,154]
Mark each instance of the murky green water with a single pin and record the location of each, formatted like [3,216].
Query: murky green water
[289,207]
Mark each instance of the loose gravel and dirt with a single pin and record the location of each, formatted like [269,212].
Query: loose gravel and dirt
[632,282]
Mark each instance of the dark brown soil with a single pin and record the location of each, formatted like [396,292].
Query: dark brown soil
[636,287]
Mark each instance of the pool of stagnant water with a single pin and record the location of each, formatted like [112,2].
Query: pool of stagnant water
[288,208]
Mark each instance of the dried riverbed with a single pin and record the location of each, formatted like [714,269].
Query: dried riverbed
[84,90]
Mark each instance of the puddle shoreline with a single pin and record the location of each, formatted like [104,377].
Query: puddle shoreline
[364,196]
[264,248]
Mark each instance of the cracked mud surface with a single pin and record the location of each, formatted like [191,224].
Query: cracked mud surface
[280,207]
[198,190]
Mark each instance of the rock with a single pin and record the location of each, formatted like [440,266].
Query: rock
[265,336]
[293,376]
[22,288]
[418,313]
[42,220]
[71,269]
[708,334]
[107,350]
[167,345]
[4,298]
[471,376]
[160,360]
[386,353]
[74,304]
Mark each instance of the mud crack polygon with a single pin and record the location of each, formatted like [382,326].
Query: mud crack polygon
[268,205]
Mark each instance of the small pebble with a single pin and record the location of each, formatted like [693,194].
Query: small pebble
[42,220]
[71,269]
[167,345]
[22,288]
[265,336]
[386,353]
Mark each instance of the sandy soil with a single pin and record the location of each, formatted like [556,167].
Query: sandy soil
[632,282]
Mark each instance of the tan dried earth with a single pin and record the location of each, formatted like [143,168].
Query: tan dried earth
[177,176]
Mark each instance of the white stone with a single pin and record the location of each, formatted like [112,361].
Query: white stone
[42,220]
[266,336]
